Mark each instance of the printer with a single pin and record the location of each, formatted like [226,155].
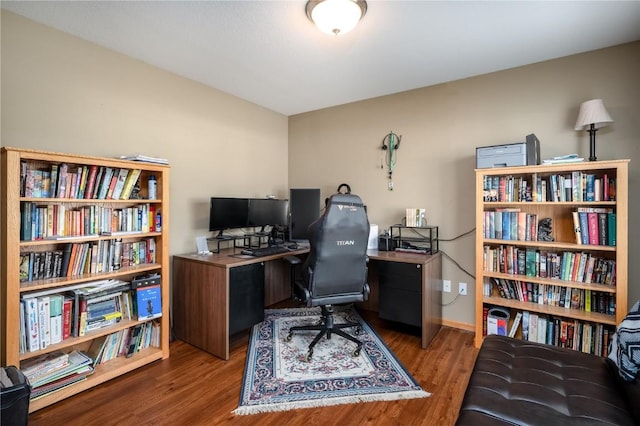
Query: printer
[515,154]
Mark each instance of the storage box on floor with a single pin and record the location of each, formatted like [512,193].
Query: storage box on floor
[14,396]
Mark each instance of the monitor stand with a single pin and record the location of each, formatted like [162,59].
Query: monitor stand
[221,236]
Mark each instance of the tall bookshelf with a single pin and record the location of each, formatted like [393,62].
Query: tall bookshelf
[577,306]
[15,246]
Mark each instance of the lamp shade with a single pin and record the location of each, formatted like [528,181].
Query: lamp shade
[592,112]
[335,17]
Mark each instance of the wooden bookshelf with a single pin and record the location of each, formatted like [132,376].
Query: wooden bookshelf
[541,293]
[14,198]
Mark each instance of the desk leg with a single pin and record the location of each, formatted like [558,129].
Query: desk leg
[431,299]
[201,306]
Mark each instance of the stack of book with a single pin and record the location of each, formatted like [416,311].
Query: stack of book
[56,370]
[51,316]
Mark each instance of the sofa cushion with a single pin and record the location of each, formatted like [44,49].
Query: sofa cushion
[516,382]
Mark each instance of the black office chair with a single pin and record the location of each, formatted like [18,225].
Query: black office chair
[335,271]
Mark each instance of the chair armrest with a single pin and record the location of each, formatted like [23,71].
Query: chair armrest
[292,260]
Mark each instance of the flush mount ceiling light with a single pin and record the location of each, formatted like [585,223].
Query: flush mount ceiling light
[336,17]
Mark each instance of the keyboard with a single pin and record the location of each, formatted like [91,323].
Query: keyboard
[265,251]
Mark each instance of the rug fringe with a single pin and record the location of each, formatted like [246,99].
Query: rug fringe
[325,402]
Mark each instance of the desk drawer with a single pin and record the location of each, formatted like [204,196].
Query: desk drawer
[246,296]
[400,292]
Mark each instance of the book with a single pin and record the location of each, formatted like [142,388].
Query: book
[525,325]
[592,219]
[67,308]
[91,182]
[112,184]
[131,180]
[148,296]
[31,324]
[55,307]
[76,361]
[144,158]
[44,321]
[515,324]
[42,365]
[104,184]
[611,229]
[562,159]
[120,181]
[576,227]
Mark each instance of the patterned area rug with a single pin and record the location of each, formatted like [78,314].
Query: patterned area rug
[278,378]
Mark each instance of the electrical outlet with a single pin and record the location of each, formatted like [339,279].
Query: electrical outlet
[462,289]
[446,286]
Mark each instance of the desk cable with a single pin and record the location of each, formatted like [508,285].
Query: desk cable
[454,261]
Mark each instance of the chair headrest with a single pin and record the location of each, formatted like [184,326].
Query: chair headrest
[345,199]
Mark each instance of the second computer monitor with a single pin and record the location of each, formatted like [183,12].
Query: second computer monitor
[268,212]
[304,209]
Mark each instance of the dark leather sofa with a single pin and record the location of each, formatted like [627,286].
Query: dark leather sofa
[515,382]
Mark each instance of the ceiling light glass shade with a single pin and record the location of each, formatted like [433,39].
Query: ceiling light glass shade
[336,17]
[593,112]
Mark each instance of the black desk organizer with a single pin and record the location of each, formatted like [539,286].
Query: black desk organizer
[419,239]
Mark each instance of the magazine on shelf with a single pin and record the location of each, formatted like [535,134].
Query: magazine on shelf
[144,158]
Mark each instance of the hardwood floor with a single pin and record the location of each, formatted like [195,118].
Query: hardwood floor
[193,387]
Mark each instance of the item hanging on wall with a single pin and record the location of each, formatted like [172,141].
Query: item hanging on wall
[390,144]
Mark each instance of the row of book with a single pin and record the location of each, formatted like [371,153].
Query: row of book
[86,258]
[595,226]
[568,266]
[576,186]
[552,295]
[51,316]
[58,221]
[125,343]
[510,224]
[578,335]
[415,217]
[77,182]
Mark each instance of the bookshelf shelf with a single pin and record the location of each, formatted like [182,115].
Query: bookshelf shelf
[571,284]
[64,281]
[103,373]
[106,220]
[85,238]
[551,310]
[89,201]
[574,286]
[75,341]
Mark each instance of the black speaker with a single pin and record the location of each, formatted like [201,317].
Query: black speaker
[386,243]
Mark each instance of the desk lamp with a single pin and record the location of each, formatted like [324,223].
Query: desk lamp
[591,117]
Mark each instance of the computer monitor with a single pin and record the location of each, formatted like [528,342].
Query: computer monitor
[228,213]
[304,209]
[268,212]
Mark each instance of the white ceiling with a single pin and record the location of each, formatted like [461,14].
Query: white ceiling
[269,53]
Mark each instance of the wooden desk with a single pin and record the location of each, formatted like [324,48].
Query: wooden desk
[201,292]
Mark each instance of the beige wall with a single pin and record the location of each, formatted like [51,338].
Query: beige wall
[442,125]
[63,94]
[60,93]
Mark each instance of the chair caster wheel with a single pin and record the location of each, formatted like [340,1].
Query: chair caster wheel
[289,337]
[308,357]
[356,352]
[358,331]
